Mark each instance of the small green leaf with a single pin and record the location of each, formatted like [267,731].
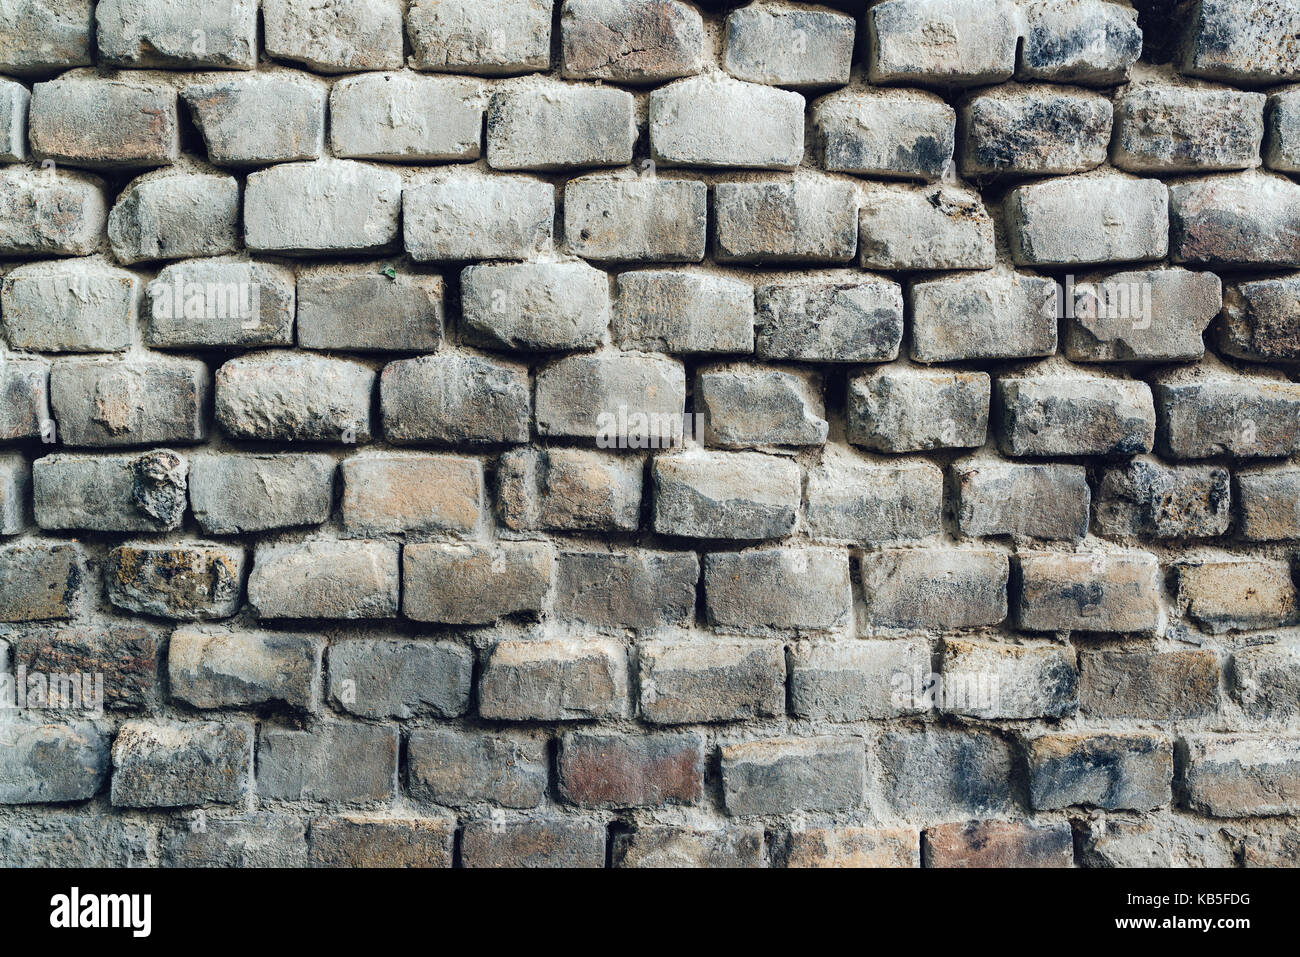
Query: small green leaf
[389,271]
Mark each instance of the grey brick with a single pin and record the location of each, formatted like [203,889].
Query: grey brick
[1282,141]
[425,118]
[1014,130]
[187,34]
[806,219]
[1092,42]
[934,589]
[1141,316]
[995,680]
[234,494]
[946,772]
[253,840]
[1003,316]
[215,303]
[334,37]
[896,134]
[714,120]
[126,654]
[786,46]
[85,121]
[351,579]
[630,41]
[394,492]
[1079,220]
[356,841]
[569,490]
[223,669]
[322,206]
[1235,219]
[1241,41]
[556,127]
[857,500]
[294,397]
[1148,685]
[852,847]
[1109,771]
[691,682]
[1064,415]
[179,764]
[1145,498]
[986,844]
[1241,775]
[535,306]
[1269,502]
[856,680]
[24,229]
[1087,592]
[1023,501]
[43,762]
[665,845]
[554,680]
[1183,130]
[185,582]
[735,495]
[626,589]
[15,494]
[81,839]
[749,405]
[642,218]
[14,103]
[906,409]
[466,36]
[476,584]
[134,401]
[932,227]
[175,213]
[1265,680]
[114,493]
[370,307]
[849,320]
[683,312]
[25,385]
[780,775]
[71,305]
[44,36]
[455,397]
[336,762]
[1261,320]
[583,395]
[786,588]
[457,767]
[974,41]
[41,581]
[378,678]
[471,215]
[265,117]
[1220,413]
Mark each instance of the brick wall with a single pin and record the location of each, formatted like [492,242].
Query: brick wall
[339,338]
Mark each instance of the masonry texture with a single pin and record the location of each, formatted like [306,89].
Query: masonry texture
[346,349]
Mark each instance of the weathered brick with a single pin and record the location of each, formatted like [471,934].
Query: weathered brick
[1015,130]
[636,218]
[1235,219]
[466,36]
[930,227]
[180,764]
[857,680]
[1162,129]
[126,654]
[683,312]
[1213,412]
[589,396]
[556,127]
[1240,775]
[1145,498]
[85,121]
[350,579]
[175,213]
[1073,415]
[1004,315]
[534,843]
[116,493]
[1109,771]
[472,215]
[133,401]
[569,490]
[474,583]
[714,120]
[77,305]
[1087,592]
[426,118]
[789,46]
[1270,845]
[853,499]
[943,42]
[220,669]
[294,397]
[369,308]
[612,771]
[382,842]
[334,37]
[233,494]
[554,680]
[853,847]
[535,306]
[805,219]
[1078,220]
[336,762]
[1282,140]
[787,588]
[626,589]
[928,589]
[1261,320]
[745,406]
[43,36]
[995,680]
[906,409]
[457,767]
[15,101]
[690,682]
[261,118]
[322,206]
[25,412]
[1236,595]
[411,492]
[946,772]
[455,397]
[998,844]
[1148,685]
[1089,41]
[186,34]
[51,212]
[1265,680]
[252,840]
[1024,501]
[904,134]
[15,493]
[77,839]
[42,762]
[186,582]
[378,678]
[1140,316]
[216,302]
[1269,500]
[1242,41]
[858,319]
[779,775]
[666,845]
[630,41]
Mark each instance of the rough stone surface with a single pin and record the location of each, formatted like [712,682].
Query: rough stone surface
[104,123]
[782,775]
[184,582]
[1176,130]
[643,218]
[1109,771]
[1024,501]
[221,669]
[942,42]
[117,493]
[260,118]
[356,579]
[465,36]
[560,127]
[905,409]
[1149,500]
[1073,416]
[237,494]
[803,219]
[1261,320]
[51,212]
[1093,42]
[71,305]
[630,41]
[185,34]
[180,764]
[400,679]
[1004,316]
[334,37]
[322,206]
[902,134]
[294,397]
[1080,592]
[1016,130]
[1235,220]
[1105,217]
[175,213]
[924,590]
[852,320]
[764,127]
[932,227]
[789,47]
[740,495]
[476,216]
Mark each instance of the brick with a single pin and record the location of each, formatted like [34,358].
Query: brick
[261,118]
[763,127]
[1108,771]
[15,101]
[1184,130]
[1269,503]
[931,227]
[896,134]
[996,498]
[182,582]
[233,494]
[967,42]
[611,771]
[15,493]
[42,762]
[1261,320]
[25,414]
[630,41]
[117,493]
[1236,595]
[43,36]
[28,199]
[189,34]
[322,206]
[683,312]
[785,46]
[1265,681]
[457,767]
[426,118]
[1073,415]
[786,588]
[409,492]
[351,579]
[334,37]
[805,219]
[365,309]
[642,218]
[934,589]
[1148,685]
[471,215]
[144,401]
[63,839]
[745,406]
[533,843]
[586,396]
[666,845]
[859,501]
[382,842]
[535,306]
[858,319]
[735,495]
[453,398]
[626,589]
[175,213]
[993,680]
[906,409]
[1282,140]
[294,397]
[401,679]
[569,490]
[1145,498]
[221,669]
[857,680]
[476,584]
[209,303]
[1014,130]
[694,682]
[1139,316]
[1242,41]
[853,847]
[126,654]
[159,764]
[1241,776]
[465,36]
[335,762]
[104,123]
[1235,219]
[40,581]
[1217,413]
[998,844]
[945,772]
[1087,592]
[559,127]
[1004,315]
[252,840]
[1271,845]
[780,775]
[554,680]
[1080,220]
[76,305]
[1090,42]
